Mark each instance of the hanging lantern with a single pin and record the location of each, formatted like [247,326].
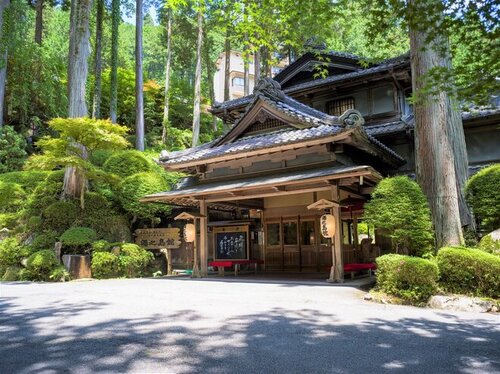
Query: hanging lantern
[327,225]
[189,232]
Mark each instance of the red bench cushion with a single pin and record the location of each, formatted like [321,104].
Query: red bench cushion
[358,267]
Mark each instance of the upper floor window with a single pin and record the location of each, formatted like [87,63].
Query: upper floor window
[338,107]
[238,81]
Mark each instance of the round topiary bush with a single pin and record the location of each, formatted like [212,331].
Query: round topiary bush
[78,237]
[469,271]
[413,279]
[101,246]
[137,186]
[45,240]
[491,243]
[40,265]
[104,265]
[483,195]
[398,205]
[127,163]
[12,197]
[34,223]
[59,216]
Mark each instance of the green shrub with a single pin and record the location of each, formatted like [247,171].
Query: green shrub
[105,265]
[12,197]
[59,274]
[133,260]
[77,238]
[29,180]
[100,156]
[413,279]
[469,271]
[101,246]
[12,149]
[34,223]
[483,195]
[127,163]
[46,240]
[490,245]
[40,265]
[399,206]
[11,252]
[12,274]
[60,215]
[45,193]
[9,220]
[139,185]
[117,229]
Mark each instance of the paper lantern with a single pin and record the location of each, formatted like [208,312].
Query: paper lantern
[189,232]
[327,225]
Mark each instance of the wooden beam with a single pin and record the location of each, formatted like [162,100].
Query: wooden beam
[203,238]
[266,194]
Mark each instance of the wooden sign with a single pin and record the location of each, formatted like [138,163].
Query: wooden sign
[231,243]
[169,238]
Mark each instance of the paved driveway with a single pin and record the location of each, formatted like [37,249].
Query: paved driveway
[214,326]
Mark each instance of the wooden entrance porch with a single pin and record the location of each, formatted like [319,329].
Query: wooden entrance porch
[286,234]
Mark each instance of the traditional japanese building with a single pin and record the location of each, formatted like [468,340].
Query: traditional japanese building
[298,141]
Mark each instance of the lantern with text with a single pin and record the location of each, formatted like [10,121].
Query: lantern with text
[189,232]
[327,223]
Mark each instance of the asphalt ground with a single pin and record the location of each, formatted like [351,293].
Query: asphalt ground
[232,326]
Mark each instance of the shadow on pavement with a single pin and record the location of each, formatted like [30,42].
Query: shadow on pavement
[277,341]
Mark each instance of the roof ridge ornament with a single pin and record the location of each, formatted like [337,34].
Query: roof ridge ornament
[352,118]
[268,87]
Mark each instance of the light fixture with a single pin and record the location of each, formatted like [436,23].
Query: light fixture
[327,225]
[189,232]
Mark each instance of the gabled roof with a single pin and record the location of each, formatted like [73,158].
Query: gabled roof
[308,126]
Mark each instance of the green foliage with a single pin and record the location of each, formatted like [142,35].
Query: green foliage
[11,252]
[490,245]
[59,274]
[137,186]
[105,265]
[34,223]
[399,206]
[12,197]
[46,193]
[101,246]
[99,157]
[469,271]
[40,265]
[29,180]
[12,274]
[413,279]
[128,162]
[59,216]
[46,240]
[483,195]
[78,237]
[133,260]
[12,150]
[9,220]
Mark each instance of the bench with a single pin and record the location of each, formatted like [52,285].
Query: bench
[353,268]
[222,264]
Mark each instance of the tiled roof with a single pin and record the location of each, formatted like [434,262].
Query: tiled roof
[479,113]
[387,128]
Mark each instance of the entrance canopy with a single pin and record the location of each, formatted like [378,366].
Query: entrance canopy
[291,182]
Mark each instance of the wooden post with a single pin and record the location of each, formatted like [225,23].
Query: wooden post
[196,268]
[203,238]
[337,270]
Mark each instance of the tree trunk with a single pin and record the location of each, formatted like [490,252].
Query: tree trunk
[435,161]
[3,60]
[197,83]
[79,51]
[139,97]
[167,78]
[39,22]
[256,73]
[113,97]
[227,65]
[96,108]
[246,77]
[210,77]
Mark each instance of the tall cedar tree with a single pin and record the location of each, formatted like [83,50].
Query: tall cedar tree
[79,51]
[166,105]
[113,96]
[96,107]
[3,57]
[139,94]
[197,80]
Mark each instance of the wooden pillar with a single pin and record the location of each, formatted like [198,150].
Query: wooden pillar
[203,238]
[337,270]
[196,247]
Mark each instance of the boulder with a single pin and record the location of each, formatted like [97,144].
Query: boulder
[461,303]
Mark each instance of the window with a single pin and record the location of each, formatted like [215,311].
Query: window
[307,233]
[273,234]
[338,107]
[383,99]
[290,233]
[238,81]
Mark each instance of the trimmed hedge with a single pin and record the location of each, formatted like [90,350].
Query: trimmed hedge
[483,195]
[105,265]
[469,271]
[78,237]
[413,279]
[59,216]
[127,163]
[133,260]
[40,265]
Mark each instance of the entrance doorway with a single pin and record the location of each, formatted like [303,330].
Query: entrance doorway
[294,244]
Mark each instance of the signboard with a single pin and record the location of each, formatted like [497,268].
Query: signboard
[231,243]
[169,238]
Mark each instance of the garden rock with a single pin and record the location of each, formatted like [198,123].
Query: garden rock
[461,303]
